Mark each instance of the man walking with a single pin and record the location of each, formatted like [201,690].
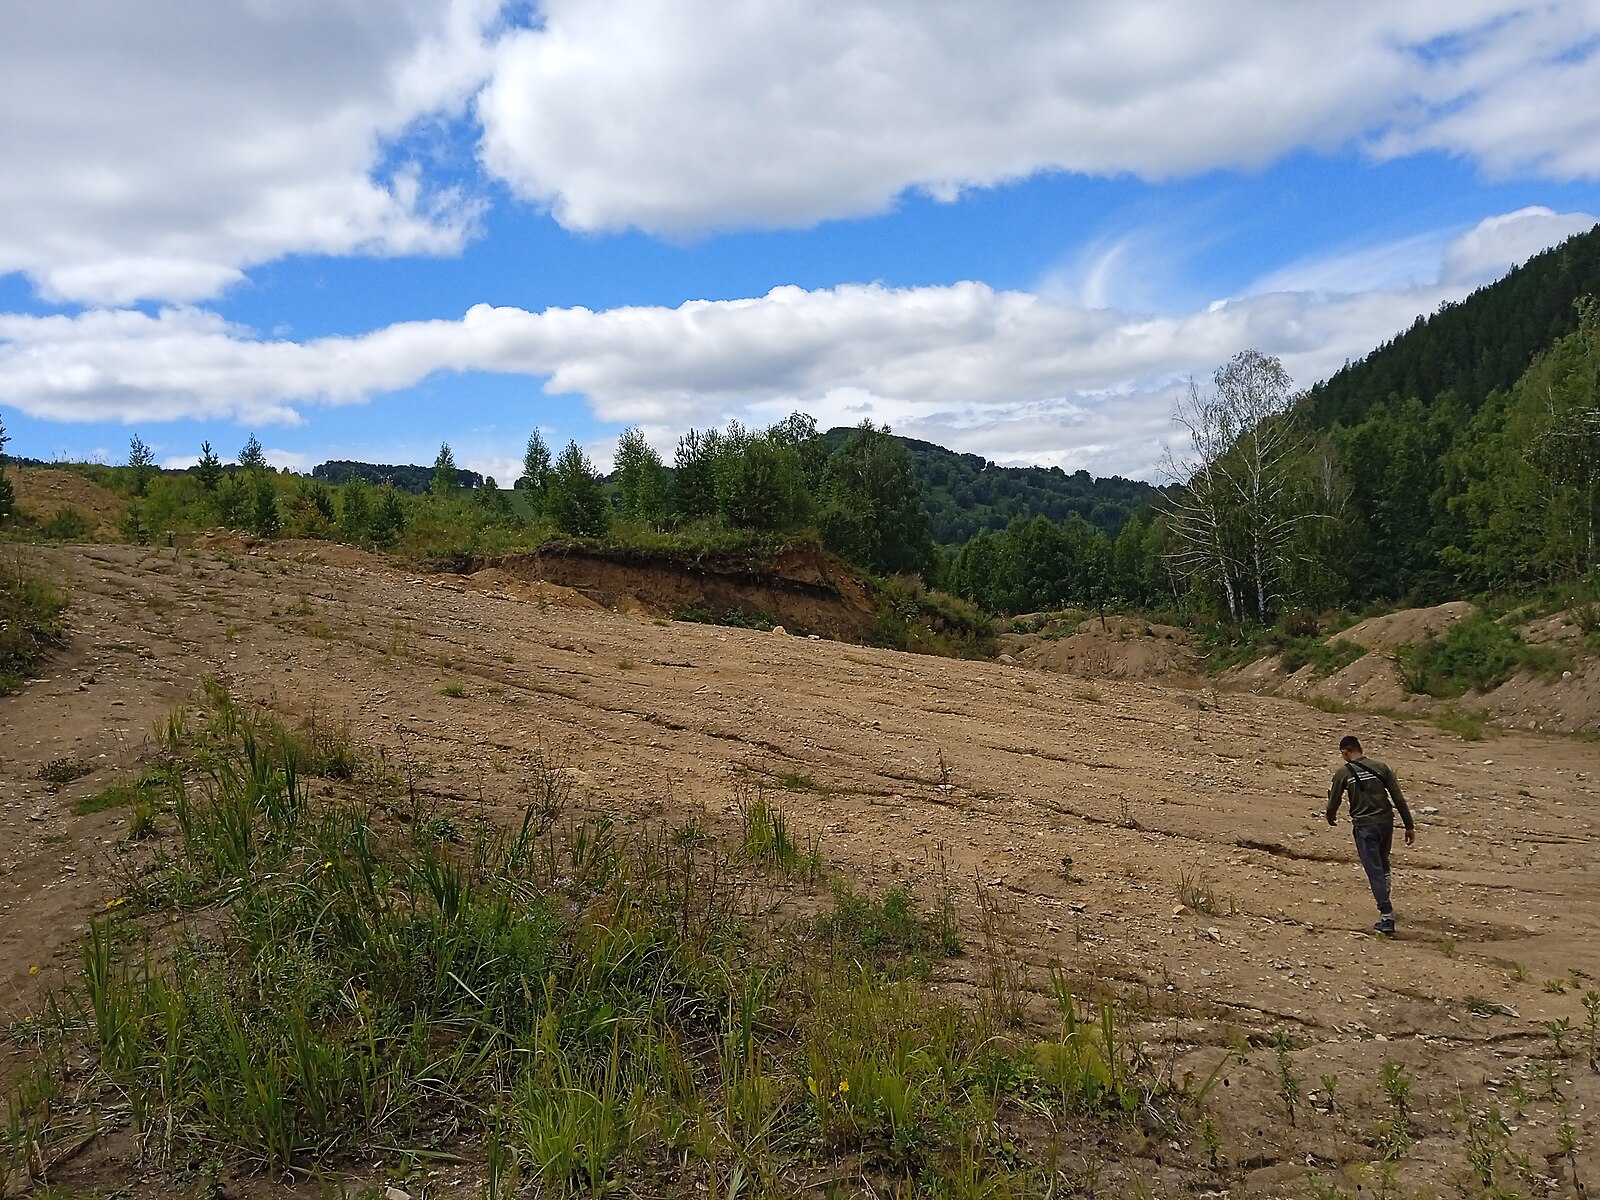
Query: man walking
[1371,784]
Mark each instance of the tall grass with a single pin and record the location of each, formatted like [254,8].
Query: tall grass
[305,978]
[31,610]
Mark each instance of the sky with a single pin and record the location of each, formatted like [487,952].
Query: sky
[360,228]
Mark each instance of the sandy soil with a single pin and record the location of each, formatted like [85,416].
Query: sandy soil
[1142,786]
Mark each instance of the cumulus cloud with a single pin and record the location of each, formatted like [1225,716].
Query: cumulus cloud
[157,150]
[1496,244]
[697,115]
[1008,374]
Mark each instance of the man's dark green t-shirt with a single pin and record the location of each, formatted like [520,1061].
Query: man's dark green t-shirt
[1370,784]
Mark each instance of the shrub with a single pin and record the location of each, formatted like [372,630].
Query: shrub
[1477,653]
[30,623]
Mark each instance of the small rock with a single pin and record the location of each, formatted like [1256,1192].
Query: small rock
[779,629]
[394,1193]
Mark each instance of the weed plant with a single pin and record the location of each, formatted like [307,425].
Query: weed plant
[309,977]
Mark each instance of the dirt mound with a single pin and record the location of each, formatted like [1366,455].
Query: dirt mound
[1113,648]
[42,492]
[1564,703]
[1372,681]
[802,590]
[496,581]
[1408,627]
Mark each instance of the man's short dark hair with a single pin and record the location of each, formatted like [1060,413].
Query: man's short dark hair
[1350,742]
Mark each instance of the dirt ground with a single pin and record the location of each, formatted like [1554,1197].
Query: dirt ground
[1157,794]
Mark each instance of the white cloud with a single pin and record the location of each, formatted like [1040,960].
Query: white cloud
[1011,375]
[158,149]
[695,115]
[161,150]
[1496,244]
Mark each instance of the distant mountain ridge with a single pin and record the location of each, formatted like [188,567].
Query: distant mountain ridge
[966,494]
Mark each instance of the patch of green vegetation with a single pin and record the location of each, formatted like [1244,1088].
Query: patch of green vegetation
[912,617]
[1466,726]
[125,793]
[454,691]
[1477,653]
[31,623]
[1325,656]
[888,927]
[580,1005]
[67,525]
[738,618]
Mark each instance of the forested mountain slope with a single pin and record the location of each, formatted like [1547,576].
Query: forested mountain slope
[1472,348]
[966,494]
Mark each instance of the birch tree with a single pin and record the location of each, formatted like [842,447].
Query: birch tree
[1235,517]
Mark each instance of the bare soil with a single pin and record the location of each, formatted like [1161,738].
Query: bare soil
[1157,794]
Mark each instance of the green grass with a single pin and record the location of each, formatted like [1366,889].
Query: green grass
[118,795]
[1466,726]
[31,624]
[1325,657]
[307,978]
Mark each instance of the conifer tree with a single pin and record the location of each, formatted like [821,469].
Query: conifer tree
[575,499]
[252,457]
[444,472]
[143,460]
[209,468]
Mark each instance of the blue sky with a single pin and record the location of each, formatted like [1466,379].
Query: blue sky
[362,227]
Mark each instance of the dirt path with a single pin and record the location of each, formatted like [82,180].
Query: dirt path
[894,764]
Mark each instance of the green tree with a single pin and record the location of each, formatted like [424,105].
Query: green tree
[235,498]
[1238,512]
[694,474]
[355,511]
[388,517]
[760,480]
[8,496]
[264,516]
[143,461]
[575,498]
[640,478]
[444,473]
[535,471]
[209,469]
[872,508]
[252,457]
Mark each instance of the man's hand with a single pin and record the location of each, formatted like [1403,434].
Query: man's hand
[1411,836]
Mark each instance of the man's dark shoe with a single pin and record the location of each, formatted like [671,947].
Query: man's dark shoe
[1385,926]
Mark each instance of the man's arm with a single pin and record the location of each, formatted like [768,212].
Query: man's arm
[1393,784]
[1341,777]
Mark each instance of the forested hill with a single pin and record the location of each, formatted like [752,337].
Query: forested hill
[966,494]
[1478,346]
[405,477]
